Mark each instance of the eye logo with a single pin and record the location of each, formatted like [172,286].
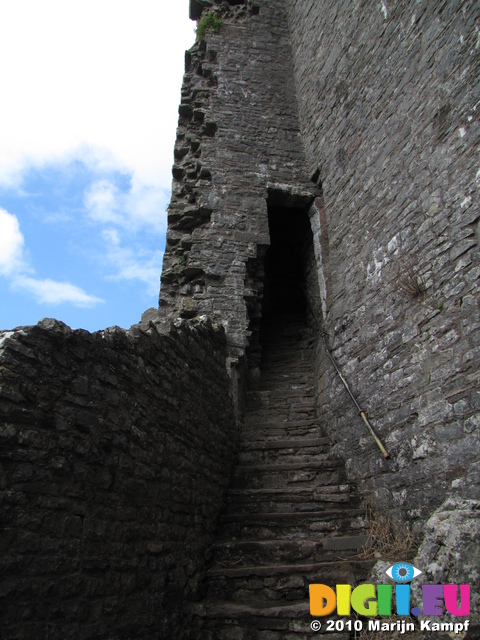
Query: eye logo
[402,572]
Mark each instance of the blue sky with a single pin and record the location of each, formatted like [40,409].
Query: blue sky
[87,127]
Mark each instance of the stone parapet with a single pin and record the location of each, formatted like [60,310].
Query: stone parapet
[116,450]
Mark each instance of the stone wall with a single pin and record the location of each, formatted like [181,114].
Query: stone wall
[238,141]
[389,107]
[116,449]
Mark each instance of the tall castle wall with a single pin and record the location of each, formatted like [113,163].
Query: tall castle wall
[389,108]
[365,115]
[238,140]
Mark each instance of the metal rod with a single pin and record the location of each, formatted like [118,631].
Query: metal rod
[362,413]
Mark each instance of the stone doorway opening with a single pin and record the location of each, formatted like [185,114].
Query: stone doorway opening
[282,280]
[286,263]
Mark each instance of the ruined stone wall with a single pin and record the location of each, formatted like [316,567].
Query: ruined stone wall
[238,139]
[116,449]
[389,107]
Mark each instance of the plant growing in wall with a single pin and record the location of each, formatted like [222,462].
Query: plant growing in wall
[408,281]
[208,22]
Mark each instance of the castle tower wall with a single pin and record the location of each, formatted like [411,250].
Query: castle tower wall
[238,140]
[388,101]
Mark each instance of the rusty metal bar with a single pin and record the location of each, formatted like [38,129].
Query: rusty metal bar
[362,413]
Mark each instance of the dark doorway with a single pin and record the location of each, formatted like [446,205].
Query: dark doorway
[286,262]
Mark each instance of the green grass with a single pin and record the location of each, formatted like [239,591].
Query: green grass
[208,22]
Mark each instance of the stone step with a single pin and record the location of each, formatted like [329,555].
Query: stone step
[274,336]
[262,474]
[316,530]
[285,363]
[285,582]
[293,392]
[284,443]
[294,381]
[287,430]
[297,497]
[295,530]
[293,524]
[284,505]
[252,621]
[284,370]
[289,493]
[264,552]
[316,477]
[270,409]
[267,425]
[282,414]
[284,456]
[287,351]
[282,376]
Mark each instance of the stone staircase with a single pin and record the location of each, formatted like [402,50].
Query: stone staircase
[291,520]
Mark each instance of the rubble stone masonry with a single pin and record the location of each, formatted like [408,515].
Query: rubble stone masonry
[390,116]
[116,450]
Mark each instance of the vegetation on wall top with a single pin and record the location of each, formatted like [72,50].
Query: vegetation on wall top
[208,22]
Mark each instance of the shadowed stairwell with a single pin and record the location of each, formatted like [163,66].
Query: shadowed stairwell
[291,519]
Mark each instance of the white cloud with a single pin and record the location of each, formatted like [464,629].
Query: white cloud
[91,75]
[101,201]
[11,244]
[14,267]
[143,206]
[53,292]
[95,82]
[132,265]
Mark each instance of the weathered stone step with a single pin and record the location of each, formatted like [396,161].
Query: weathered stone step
[284,620]
[264,552]
[286,499]
[282,582]
[275,336]
[295,530]
[292,492]
[282,376]
[284,370]
[284,432]
[287,351]
[332,519]
[293,381]
[286,446]
[284,455]
[287,438]
[285,443]
[293,392]
[321,472]
[327,463]
[290,520]
[274,423]
[342,516]
[311,571]
[272,505]
[270,408]
[282,414]
[294,477]
[285,363]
